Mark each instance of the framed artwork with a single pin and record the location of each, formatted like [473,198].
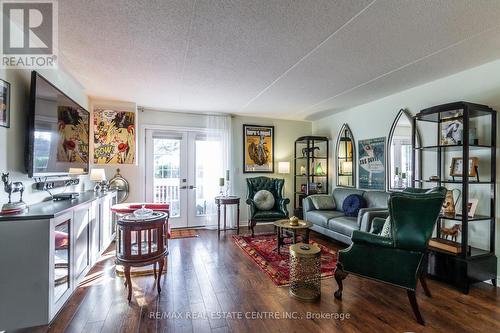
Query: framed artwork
[372,164]
[258,149]
[472,206]
[451,131]
[4,103]
[114,136]
[457,167]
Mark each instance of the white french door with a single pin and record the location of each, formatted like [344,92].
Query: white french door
[179,172]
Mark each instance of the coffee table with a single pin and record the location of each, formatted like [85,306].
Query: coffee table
[285,230]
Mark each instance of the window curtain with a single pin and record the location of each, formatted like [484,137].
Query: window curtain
[219,131]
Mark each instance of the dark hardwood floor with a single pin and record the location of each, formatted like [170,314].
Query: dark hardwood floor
[208,276]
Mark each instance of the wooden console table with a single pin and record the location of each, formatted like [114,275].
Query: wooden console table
[229,200]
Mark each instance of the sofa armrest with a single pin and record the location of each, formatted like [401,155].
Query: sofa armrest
[360,237]
[307,205]
[377,225]
[366,215]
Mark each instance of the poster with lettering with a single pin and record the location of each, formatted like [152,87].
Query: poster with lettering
[372,164]
[258,149]
[73,128]
[114,136]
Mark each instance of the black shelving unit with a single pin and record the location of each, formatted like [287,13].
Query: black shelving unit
[471,263]
[307,159]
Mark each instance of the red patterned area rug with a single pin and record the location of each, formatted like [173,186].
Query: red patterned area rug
[261,249]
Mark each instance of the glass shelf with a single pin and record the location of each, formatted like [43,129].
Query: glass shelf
[458,217]
[454,147]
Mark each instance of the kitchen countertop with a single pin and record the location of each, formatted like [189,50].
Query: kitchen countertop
[50,209]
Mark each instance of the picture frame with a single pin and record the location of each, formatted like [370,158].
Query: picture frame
[451,131]
[4,103]
[471,207]
[258,149]
[456,167]
[303,188]
[371,161]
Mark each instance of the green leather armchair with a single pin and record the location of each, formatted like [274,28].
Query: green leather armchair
[413,213]
[278,212]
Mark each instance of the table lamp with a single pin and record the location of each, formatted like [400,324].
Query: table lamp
[98,176]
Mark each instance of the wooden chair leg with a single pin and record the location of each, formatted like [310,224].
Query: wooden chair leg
[413,301]
[339,276]
[423,282]
[129,282]
[160,271]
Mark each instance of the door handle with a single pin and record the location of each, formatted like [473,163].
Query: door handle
[192,187]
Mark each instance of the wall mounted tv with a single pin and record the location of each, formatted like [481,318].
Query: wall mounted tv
[58,132]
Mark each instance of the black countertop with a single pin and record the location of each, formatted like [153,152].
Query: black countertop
[50,209]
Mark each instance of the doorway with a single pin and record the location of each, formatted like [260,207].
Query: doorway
[181,172]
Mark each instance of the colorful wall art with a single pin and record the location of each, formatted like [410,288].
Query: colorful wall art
[73,127]
[372,164]
[114,137]
[258,149]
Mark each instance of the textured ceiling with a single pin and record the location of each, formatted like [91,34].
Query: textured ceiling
[294,59]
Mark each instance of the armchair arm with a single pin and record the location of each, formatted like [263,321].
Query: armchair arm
[377,225]
[282,202]
[360,237]
[252,205]
[366,216]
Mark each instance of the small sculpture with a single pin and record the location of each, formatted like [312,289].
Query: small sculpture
[13,187]
[452,232]
[294,220]
[309,150]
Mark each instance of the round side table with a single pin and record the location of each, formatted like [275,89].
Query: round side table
[141,242]
[224,201]
[305,272]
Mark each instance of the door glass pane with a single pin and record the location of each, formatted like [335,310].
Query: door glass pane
[61,259]
[208,172]
[166,159]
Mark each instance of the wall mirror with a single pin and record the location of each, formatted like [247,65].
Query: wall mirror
[345,158]
[399,155]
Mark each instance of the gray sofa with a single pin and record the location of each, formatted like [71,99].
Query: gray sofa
[335,224]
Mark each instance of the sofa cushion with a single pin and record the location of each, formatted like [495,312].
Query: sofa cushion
[352,204]
[321,217]
[323,202]
[339,194]
[376,199]
[343,224]
[264,200]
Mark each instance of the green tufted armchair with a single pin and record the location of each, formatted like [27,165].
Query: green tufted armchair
[278,212]
[399,260]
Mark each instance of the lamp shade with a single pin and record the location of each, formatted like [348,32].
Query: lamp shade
[97,175]
[284,167]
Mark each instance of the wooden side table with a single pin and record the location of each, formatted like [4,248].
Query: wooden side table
[141,242]
[224,201]
[285,230]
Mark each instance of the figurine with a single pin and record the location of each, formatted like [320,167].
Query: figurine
[13,187]
[452,232]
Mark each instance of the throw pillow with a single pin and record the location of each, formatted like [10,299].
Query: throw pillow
[386,229]
[352,204]
[323,202]
[264,200]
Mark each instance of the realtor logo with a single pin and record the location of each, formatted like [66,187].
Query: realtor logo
[29,34]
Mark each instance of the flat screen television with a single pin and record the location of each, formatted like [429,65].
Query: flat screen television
[58,132]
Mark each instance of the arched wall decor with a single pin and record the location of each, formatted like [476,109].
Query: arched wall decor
[399,152]
[345,155]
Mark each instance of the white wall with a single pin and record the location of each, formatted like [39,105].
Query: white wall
[12,140]
[286,132]
[479,85]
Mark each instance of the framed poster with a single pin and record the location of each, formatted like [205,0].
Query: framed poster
[372,164]
[114,136]
[4,103]
[258,149]
[451,131]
